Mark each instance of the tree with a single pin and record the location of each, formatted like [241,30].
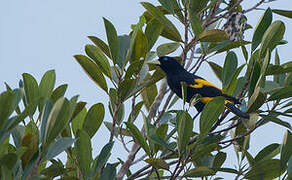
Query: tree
[32,135]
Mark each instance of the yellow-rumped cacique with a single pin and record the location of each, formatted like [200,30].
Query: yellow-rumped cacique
[176,74]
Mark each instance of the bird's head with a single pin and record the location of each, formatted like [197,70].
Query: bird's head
[169,65]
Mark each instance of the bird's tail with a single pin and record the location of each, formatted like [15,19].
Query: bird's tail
[236,111]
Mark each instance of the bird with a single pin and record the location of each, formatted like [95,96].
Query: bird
[176,74]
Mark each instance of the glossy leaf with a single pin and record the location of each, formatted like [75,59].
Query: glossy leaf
[101,44]
[92,71]
[200,171]
[256,101]
[184,130]
[219,159]
[286,151]
[57,120]
[277,121]
[8,103]
[152,32]
[167,5]
[213,35]
[139,138]
[102,158]
[99,58]
[229,67]
[167,48]
[273,35]
[58,92]
[93,119]
[140,47]
[112,39]
[265,169]
[46,86]
[31,90]
[282,93]
[83,152]
[155,12]
[268,152]
[157,163]
[124,44]
[109,172]
[196,23]
[284,13]
[210,114]
[216,69]
[261,28]
[58,147]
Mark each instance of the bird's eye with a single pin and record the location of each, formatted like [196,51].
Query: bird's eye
[164,58]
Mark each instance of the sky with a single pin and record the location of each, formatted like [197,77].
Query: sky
[39,35]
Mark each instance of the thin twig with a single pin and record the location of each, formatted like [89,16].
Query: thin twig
[114,121]
[254,7]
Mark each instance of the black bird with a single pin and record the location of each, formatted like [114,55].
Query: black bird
[175,74]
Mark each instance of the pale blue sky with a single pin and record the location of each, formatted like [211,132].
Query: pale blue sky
[38,35]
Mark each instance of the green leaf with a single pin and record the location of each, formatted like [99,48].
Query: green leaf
[78,120]
[136,28]
[167,5]
[109,172]
[8,103]
[229,67]
[286,151]
[184,130]
[99,58]
[125,88]
[46,87]
[31,90]
[138,137]
[156,13]
[112,39]
[148,95]
[140,47]
[167,48]
[213,35]
[285,13]
[58,92]
[197,5]
[195,23]
[268,152]
[44,119]
[272,36]
[277,121]
[102,158]
[92,71]
[157,163]
[200,171]
[256,101]
[101,44]
[135,111]
[124,44]
[93,119]
[59,146]
[230,88]
[9,160]
[152,32]
[261,28]
[233,45]
[254,78]
[57,120]
[216,69]
[268,169]
[281,93]
[219,159]
[210,114]
[83,152]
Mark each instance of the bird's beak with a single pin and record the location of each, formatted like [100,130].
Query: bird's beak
[155,62]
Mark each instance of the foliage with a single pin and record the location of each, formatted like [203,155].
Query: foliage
[47,123]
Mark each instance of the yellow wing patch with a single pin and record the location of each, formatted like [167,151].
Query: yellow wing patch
[205,100]
[201,82]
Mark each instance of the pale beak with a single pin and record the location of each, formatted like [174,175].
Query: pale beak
[155,62]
